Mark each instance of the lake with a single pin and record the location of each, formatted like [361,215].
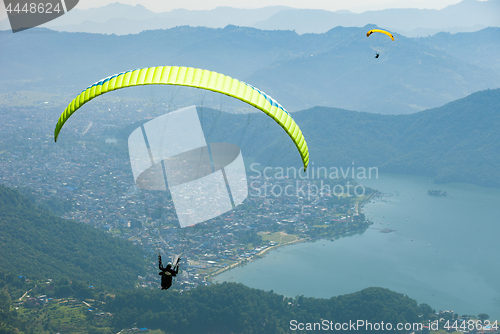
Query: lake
[444,250]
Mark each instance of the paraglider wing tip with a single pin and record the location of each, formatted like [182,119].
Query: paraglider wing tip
[56,132]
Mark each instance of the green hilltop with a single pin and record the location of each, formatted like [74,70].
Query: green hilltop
[235,308]
[458,142]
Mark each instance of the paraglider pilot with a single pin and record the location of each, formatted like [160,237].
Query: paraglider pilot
[167,273]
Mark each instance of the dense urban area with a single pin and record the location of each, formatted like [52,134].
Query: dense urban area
[91,183]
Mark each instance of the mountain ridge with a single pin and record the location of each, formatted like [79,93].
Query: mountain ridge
[465,16]
[457,142]
[335,69]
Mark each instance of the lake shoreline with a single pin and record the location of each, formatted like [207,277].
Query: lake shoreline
[298,240]
[417,258]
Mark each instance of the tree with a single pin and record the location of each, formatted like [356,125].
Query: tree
[426,310]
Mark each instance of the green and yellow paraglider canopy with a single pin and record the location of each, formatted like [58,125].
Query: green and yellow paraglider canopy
[192,77]
[380,31]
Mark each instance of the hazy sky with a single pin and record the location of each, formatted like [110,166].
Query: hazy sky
[333,5]
[357,6]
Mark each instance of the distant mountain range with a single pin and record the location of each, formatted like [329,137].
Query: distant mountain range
[466,16]
[120,19]
[334,69]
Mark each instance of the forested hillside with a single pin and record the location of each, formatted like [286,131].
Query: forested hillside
[234,308]
[37,244]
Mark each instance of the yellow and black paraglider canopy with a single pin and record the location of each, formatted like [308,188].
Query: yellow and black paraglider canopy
[380,31]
